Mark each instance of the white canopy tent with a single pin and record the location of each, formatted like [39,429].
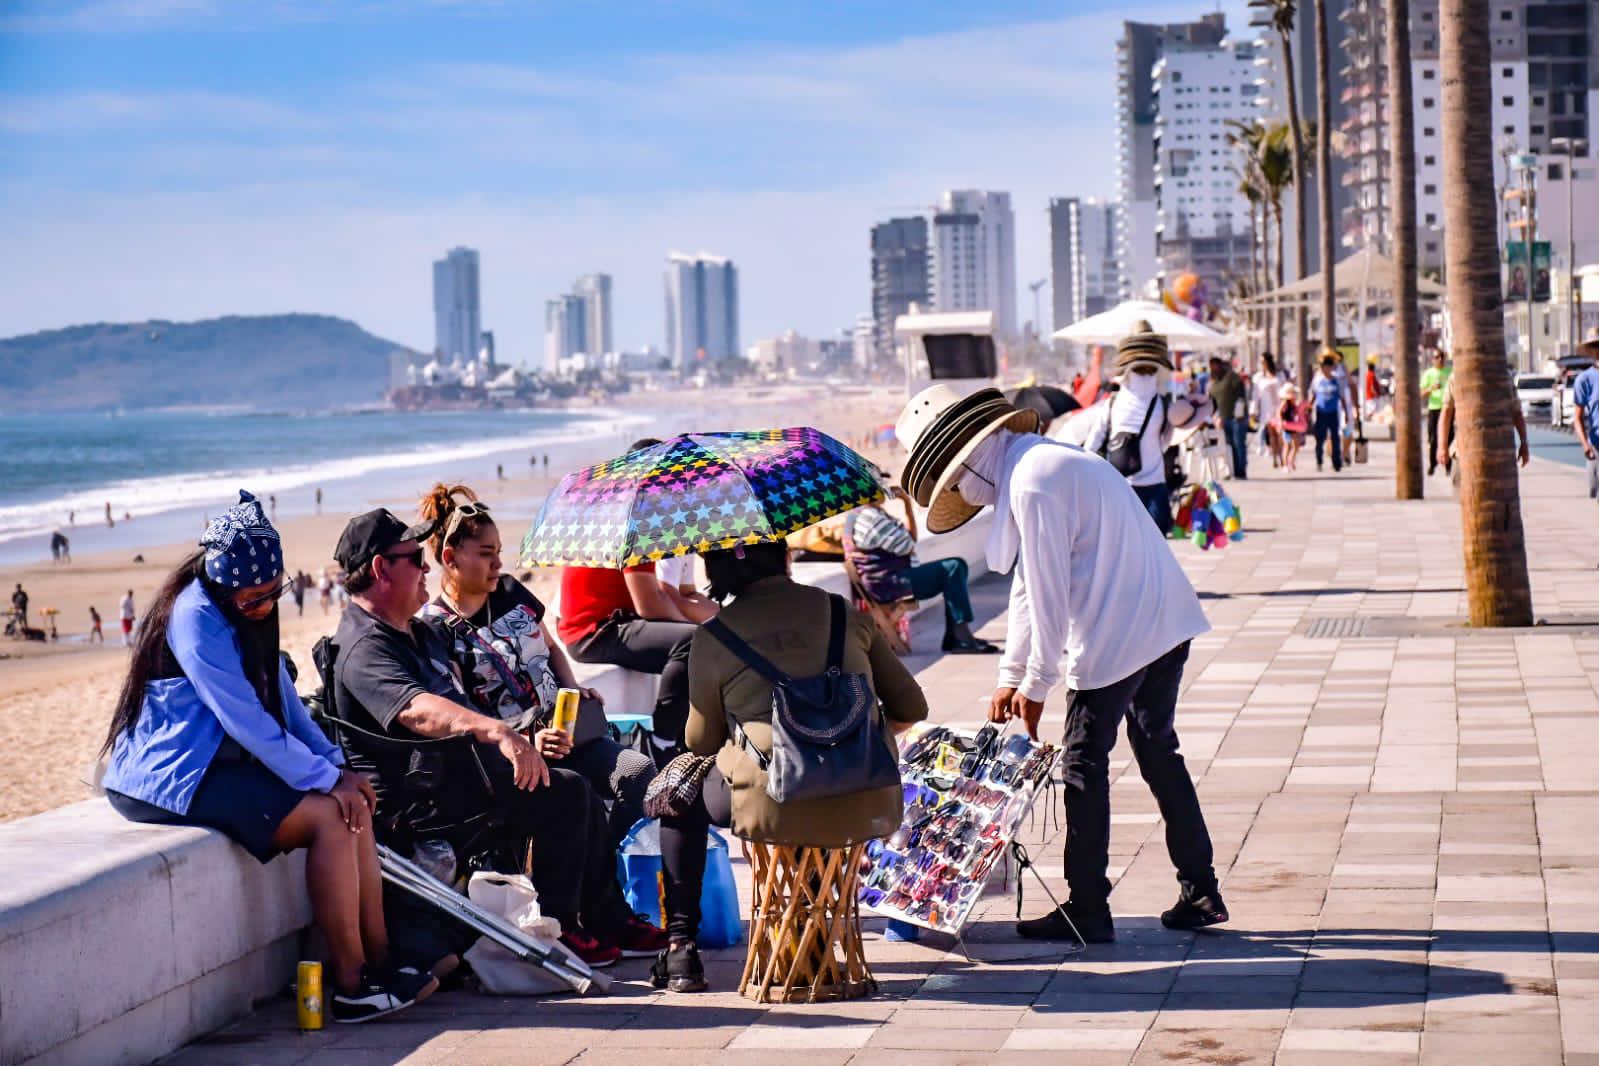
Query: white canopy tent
[1365,278]
[1109,327]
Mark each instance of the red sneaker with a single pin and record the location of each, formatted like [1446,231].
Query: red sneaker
[597,955]
[638,939]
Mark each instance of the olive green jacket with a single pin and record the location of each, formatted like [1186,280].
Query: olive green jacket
[787,623]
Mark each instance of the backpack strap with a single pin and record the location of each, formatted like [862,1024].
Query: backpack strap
[748,655]
[837,622]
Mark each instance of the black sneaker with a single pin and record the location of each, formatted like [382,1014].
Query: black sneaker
[1094,923]
[1196,913]
[969,646]
[679,969]
[376,998]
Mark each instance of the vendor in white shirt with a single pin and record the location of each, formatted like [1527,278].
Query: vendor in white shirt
[1096,584]
[1135,427]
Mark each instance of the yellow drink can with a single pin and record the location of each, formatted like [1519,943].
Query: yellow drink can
[308,1003]
[566,701]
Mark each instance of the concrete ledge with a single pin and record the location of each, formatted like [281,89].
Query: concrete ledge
[122,942]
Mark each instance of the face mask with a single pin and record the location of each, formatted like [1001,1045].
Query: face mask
[1142,386]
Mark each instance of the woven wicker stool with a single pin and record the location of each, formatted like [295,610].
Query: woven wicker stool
[805,928]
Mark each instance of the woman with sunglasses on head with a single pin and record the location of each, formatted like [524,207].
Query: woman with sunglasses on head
[208,731]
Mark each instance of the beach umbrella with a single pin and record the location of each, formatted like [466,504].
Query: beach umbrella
[696,493]
[1109,327]
[1048,400]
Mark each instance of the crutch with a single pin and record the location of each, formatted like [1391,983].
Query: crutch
[405,874]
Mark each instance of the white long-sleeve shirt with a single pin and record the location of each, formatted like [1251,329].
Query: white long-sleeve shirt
[1095,581]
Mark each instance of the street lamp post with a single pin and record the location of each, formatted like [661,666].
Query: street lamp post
[1571,148]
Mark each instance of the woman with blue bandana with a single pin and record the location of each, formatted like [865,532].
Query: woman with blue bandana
[209,731]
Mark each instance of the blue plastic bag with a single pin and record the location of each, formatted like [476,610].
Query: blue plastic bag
[638,867]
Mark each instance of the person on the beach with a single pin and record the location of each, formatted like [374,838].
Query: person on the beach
[630,618]
[393,677]
[297,587]
[882,550]
[319,499]
[109,521]
[60,548]
[126,614]
[324,591]
[19,605]
[1135,426]
[1096,584]
[272,502]
[208,731]
[96,633]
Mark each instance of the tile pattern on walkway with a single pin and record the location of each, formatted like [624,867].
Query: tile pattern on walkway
[1405,828]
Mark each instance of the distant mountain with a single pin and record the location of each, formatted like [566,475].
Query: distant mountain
[260,361]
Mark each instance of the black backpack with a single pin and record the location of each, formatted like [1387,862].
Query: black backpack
[827,732]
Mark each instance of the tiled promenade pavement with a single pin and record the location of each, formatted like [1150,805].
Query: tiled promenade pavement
[1405,826]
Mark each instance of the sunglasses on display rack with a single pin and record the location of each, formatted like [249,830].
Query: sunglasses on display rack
[871,896]
[924,747]
[916,794]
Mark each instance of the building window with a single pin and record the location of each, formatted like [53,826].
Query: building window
[1429,190]
[1427,131]
[1426,103]
[1432,220]
[1506,16]
[1507,101]
[1511,130]
[1428,74]
[1429,160]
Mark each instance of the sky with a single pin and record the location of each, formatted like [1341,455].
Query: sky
[185,159]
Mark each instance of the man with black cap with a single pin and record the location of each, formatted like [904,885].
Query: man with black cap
[391,676]
[1095,583]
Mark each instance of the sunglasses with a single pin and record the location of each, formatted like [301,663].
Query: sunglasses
[266,597]
[461,514]
[414,557]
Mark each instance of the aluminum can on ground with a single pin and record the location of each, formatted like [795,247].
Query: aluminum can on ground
[308,1003]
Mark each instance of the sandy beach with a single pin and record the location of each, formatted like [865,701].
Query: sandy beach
[55,698]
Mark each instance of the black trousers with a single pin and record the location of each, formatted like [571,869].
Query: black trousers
[683,855]
[650,648]
[574,861]
[1147,700]
[1432,439]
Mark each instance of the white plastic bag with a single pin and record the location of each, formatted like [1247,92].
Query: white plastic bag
[512,897]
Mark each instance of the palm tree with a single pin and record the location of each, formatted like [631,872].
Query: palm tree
[1497,590]
[1329,323]
[1246,138]
[1408,480]
[1282,21]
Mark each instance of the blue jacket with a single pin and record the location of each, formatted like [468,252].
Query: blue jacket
[183,720]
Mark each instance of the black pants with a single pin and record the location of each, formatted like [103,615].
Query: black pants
[683,855]
[1327,430]
[574,861]
[1157,501]
[1147,700]
[1432,439]
[650,648]
[618,774]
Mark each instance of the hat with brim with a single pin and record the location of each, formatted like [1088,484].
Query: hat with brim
[940,429]
[1143,345]
[1591,345]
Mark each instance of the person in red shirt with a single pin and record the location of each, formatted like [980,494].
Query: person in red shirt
[631,619]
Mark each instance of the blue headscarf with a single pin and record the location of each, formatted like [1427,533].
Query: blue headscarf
[241,547]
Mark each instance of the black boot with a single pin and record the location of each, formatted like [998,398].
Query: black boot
[1195,913]
[960,640]
[1093,924]
[679,969]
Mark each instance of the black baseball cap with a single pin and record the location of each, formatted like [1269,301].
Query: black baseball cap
[369,535]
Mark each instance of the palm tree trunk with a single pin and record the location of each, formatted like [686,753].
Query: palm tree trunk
[1277,312]
[1408,480]
[1497,589]
[1297,136]
[1329,320]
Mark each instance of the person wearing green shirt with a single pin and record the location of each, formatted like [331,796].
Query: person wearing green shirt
[1433,380]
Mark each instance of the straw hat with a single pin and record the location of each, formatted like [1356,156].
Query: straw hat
[1143,345]
[1290,391]
[940,429]
[1591,345]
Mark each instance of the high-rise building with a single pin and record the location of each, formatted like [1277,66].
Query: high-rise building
[595,292]
[701,309]
[1137,51]
[1202,224]
[1085,277]
[972,265]
[563,329]
[457,310]
[899,277]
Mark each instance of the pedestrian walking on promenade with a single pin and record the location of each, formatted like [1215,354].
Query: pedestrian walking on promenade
[1585,397]
[1433,380]
[1231,396]
[1291,421]
[1268,399]
[1095,584]
[1330,400]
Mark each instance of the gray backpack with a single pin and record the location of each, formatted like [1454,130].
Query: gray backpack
[827,732]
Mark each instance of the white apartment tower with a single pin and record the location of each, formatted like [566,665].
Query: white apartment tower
[595,292]
[1137,51]
[1085,277]
[701,309]
[457,309]
[972,256]
[1202,223]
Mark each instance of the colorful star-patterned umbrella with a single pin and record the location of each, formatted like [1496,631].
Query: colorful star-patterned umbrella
[697,493]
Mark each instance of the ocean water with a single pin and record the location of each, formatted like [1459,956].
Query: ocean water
[58,471]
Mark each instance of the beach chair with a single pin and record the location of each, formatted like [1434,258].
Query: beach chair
[805,926]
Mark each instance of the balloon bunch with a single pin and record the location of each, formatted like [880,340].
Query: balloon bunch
[1207,516]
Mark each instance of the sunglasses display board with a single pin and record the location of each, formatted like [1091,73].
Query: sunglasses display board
[966,794]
